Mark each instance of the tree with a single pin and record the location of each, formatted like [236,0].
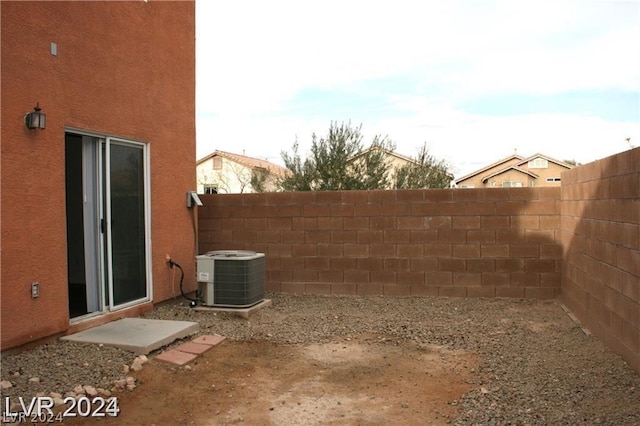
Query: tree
[425,172]
[259,179]
[338,162]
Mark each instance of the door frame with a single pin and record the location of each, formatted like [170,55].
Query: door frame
[104,254]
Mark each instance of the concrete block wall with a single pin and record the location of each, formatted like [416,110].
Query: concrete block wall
[600,233]
[494,242]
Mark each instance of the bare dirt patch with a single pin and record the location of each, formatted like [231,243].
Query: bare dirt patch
[357,381]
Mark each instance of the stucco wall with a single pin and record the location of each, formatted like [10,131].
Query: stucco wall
[122,68]
[450,242]
[600,226]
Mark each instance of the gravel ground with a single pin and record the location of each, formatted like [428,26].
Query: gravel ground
[536,365]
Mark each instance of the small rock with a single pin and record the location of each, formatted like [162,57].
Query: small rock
[86,364]
[55,395]
[90,390]
[131,387]
[130,380]
[5,384]
[16,374]
[405,405]
[58,401]
[79,390]
[484,390]
[125,369]
[104,392]
[120,384]
[143,359]
[34,380]
[136,365]
[187,367]
[70,394]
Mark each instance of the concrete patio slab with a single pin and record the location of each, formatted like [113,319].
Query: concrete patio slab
[210,339]
[174,356]
[243,312]
[137,335]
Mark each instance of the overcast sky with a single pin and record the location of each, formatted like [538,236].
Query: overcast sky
[475,80]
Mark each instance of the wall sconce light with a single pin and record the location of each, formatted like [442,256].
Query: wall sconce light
[35,119]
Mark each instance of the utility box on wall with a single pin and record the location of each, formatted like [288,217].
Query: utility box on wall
[231,278]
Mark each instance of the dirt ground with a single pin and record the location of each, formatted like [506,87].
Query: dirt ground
[363,381]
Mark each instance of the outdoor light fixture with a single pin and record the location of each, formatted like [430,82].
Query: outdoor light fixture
[35,119]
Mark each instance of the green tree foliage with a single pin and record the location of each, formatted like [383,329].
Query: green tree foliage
[426,172]
[259,179]
[337,162]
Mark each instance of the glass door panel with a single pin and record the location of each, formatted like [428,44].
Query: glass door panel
[126,222]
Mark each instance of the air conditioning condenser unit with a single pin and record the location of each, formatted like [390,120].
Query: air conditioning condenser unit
[230,278]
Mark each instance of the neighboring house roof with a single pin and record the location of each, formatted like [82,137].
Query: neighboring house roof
[387,152]
[506,169]
[511,164]
[546,157]
[510,159]
[249,162]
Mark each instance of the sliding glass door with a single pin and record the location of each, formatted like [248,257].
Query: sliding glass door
[108,249]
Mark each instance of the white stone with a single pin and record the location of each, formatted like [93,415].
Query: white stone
[125,369]
[104,392]
[90,390]
[131,387]
[187,367]
[5,384]
[137,365]
[70,394]
[55,395]
[131,380]
[143,359]
[34,380]
[58,401]
[79,390]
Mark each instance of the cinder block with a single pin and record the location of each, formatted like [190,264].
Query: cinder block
[382,250]
[396,290]
[356,277]
[510,235]
[290,236]
[483,208]
[452,236]
[484,236]
[396,237]
[424,291]
[423,236]
[369,236]
[330,223]
[439,278]
[424,264]
[330,250]
[466,222]
[356,223]
[340,237]
[363,210]
[481,265]
[410,250]
[467,279]
[481,292]
[304,250]
[453,265]
[344,289]
[494,250]
[496,222]
[316,237]
[316,263]
[452,291]
[510,292]
[451,209]
[317,288]
[397,264]
[438,222]
[370,290]
[369,264]
[341,210]
[410,222]
[495,279]
[356,250]
[406,278]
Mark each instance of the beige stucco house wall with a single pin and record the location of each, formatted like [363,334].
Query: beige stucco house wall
[516,171]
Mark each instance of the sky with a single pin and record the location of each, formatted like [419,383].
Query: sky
[476,81]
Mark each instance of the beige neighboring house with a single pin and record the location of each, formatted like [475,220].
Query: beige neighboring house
[226,173]
[517,171]
[393,160]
